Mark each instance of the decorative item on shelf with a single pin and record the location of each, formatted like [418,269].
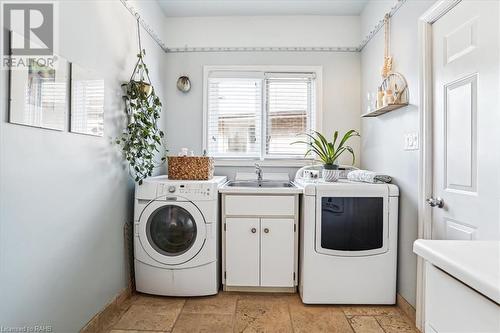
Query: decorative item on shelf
[380,98]
[387,67]
[388,97]
[329,152]
[184,84]
[371,99]
[396,84]
[393,93]
[190,167]
[142,139]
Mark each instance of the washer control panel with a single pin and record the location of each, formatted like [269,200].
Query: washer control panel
[191,191]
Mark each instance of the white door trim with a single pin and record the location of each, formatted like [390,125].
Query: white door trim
[425,119]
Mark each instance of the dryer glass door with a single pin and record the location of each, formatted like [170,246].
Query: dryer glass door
[352,220]
[171,230]
[352,224]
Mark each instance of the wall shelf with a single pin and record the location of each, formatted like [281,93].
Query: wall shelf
[385,109]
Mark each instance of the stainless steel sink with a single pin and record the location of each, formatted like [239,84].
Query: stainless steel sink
[263,183]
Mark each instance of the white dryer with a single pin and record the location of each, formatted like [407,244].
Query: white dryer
[348,243]
[176,236]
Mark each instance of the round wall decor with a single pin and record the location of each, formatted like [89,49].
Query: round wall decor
[183,84]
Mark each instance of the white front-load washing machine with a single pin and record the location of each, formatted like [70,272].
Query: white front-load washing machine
[348,243]
[176,236]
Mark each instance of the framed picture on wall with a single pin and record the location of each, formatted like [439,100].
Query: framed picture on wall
[87,101]
[39,94]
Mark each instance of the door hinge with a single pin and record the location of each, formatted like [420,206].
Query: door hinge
[225,275]
[224,226]
[295,228]
[293,276]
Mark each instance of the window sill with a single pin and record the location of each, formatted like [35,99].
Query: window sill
[284,163]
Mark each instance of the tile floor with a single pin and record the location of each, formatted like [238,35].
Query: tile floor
[247,312]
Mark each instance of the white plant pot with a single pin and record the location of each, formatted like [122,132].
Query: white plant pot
[331,175]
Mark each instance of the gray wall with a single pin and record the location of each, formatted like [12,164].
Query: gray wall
[341,91]
[64,198]
[382,147]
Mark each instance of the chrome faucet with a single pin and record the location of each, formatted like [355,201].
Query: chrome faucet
[258,171]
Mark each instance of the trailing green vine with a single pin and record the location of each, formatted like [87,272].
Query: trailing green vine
[142,140]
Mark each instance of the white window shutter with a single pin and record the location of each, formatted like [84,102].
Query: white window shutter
[234,117]
[289,105]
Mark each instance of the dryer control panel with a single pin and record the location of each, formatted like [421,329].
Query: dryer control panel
[191,191]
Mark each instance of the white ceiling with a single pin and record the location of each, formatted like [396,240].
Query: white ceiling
[261,7]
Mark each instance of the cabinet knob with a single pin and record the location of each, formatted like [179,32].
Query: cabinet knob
[253,230]
[266,230]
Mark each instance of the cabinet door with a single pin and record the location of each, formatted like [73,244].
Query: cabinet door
[242,251]
[277,252]
[451,306]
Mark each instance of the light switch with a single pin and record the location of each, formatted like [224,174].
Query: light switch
[411,141]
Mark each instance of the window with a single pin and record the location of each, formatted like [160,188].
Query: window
[258,114]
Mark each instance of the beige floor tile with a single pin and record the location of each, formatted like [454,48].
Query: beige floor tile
[195,322]
[150,300]
[113,314]
[318,318]
[131,331]
[265,295]
[109,320]
[396,324]
[365,324]
[151,317]
[370,310]
[92,326]
[251,312]
[221,303]
[262,313]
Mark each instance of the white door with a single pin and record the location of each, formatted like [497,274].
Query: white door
[277,252]
[466,122]
[242,251]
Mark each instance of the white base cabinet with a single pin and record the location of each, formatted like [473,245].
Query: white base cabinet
[260,251]
[453,307]
[277,267]
[242,251]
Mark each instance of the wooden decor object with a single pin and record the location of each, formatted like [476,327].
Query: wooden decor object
[190,167]
[387,67]
[395,82]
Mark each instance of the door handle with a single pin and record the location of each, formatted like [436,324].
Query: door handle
[253,230]
[435,202]
[266,230]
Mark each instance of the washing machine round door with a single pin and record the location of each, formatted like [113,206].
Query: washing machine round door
[172,233]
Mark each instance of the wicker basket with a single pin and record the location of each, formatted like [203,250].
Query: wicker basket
[190,167]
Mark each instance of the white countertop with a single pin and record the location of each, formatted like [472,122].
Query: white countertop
[475,263]
[260,190]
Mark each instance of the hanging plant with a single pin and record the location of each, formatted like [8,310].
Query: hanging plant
[142,140]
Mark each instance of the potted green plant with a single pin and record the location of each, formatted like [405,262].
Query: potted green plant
[329,151]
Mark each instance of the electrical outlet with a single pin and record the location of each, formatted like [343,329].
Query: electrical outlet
[411,141]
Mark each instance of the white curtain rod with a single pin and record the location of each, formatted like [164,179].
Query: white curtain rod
[166,49]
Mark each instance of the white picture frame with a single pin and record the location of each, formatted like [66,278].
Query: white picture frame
[39,94]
